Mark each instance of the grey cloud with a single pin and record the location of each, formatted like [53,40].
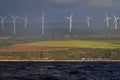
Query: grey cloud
[97,3]
[66,1]
[102,3]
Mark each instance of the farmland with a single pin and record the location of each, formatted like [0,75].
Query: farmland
[26,49]
[75,44]
[60,45]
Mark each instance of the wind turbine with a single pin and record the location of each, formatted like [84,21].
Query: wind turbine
[107,19]
[25,19]
[70,20]
[116,21]
[88,20]
[43,23]
[14,23]
[2,21]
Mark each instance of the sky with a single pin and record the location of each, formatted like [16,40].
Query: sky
[55,10]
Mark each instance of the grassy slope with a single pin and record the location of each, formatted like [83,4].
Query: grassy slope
[71,54]
[74,43]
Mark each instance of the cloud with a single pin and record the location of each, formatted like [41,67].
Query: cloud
[96,3]
[66,1]
[102,3]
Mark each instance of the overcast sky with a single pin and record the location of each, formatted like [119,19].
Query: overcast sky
[57,9]
[97,3]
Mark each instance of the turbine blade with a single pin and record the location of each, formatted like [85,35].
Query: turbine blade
[87,17]
[22,18]
[106,15]
[67,17]
[39,18]
[71,15]
[17,17]
[11,16]
[118,18]
[91,17]
[105,20]
[114,21]
[4,17]
[87,20]
[109,18]
[114,15]
[43,14]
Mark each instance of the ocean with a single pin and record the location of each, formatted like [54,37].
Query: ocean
[60,70]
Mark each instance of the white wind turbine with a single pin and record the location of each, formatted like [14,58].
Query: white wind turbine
[14,23]
[107,20]
[26,20]
[88,20]
[70,20]
[43,23]
[2,21]
[116,21]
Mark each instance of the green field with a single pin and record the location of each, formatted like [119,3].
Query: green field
[62,50]
[75,44]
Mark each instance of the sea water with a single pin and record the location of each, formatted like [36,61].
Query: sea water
[59,70]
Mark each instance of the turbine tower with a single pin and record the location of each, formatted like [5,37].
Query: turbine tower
[2,21]
[70,20]
[25,19]
[107,20]
[14,23]
[43,23]
[88,21]
[116,21]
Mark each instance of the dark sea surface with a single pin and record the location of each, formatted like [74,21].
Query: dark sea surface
[59,70]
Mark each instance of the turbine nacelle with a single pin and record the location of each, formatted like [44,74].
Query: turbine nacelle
[70,17]
[43,15]
[107,18]
[25,18]
[115,18]
[89,17]
[67,17]
[14,17]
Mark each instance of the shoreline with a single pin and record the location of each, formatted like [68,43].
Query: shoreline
[59,60]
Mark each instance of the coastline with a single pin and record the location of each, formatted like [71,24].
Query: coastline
[59,60]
